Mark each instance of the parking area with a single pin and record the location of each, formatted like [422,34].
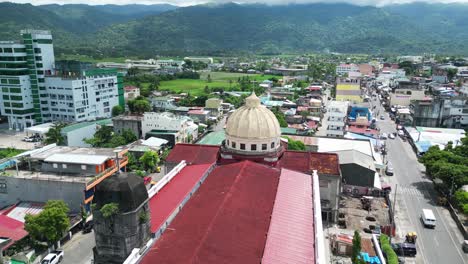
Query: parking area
[13,139]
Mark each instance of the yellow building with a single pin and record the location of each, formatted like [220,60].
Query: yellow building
[348,90]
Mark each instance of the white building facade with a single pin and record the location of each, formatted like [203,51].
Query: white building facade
[23,65]
[336,122]
[184,127]
[81,99]
[346,69]
[31,94]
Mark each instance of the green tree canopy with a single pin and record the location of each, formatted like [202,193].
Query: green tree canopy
[139,105]
[109,210]
[106,138]
[280,116]
[295,144]
[117,110]
[54,135]
[150,160]
[50,224]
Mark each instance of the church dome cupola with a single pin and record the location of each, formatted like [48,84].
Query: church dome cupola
[252,129]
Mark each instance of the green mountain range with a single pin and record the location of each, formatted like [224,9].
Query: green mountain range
[112,30]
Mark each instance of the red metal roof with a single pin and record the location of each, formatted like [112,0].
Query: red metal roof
[362,130]
[164,203]
[295,160]
[12,229]
[225,221]
[306,162]
[291,234]
[198,112]
[194,154]
[325,163]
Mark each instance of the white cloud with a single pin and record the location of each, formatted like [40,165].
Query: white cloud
[194,2]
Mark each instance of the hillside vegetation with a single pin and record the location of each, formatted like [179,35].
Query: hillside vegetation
[145,31]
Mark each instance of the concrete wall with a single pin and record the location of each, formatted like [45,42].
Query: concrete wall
[133,125]
[330,189]
[356,175]
[75,138]
[69,168]
[21,189]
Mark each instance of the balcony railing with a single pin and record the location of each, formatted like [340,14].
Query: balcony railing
[106,173]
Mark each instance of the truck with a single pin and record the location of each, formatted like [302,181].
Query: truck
[53,257]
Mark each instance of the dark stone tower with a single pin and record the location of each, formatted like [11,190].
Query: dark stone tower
[118,232]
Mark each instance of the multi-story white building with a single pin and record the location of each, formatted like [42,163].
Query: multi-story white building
[346,69]
[31,94]
[336,122]
[83,98]
[183,129]
[23,66]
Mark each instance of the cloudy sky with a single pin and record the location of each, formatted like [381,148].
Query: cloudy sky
[192,2]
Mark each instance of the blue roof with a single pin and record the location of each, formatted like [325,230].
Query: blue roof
[423,146]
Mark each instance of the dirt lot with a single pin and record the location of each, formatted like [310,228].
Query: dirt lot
[13,139]
[355,217]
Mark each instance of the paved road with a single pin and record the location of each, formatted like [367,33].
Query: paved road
[79,250]
[437,246]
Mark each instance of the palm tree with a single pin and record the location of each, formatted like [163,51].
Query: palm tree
[54,135]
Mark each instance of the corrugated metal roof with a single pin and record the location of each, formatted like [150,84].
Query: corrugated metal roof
[193,154]
[291,234]
[154,142]
[213,138]
[22,209]
[171,196]
[225,221]
[11,228]
[77,159]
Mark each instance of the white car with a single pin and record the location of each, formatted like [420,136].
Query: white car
[401,133]
[391,136]
[384,136]
[53,257]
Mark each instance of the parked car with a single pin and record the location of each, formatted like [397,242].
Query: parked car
[53,257]
[405,249]
[465,246]
[391,136]
[389,169]
[382,117]
[401,133]
[384,136]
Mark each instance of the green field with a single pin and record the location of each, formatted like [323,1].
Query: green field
[218,80]
[85,58]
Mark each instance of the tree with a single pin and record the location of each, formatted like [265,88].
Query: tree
[295,144]
[109,210]
[165,153]
[356,248]
[117,110]
[150,160]
[139,105]
[116,141]
[133,71]
[129,136]
[54,135]
[280,116]
[451,73]
[102,136]
[50,224]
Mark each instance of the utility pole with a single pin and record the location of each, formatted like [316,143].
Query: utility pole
[394,201]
